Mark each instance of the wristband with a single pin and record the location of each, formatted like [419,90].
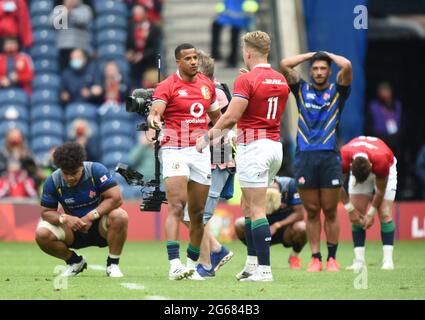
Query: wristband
[349,207]
[371,212]
[95,214]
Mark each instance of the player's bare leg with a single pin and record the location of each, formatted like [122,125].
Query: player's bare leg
[255,200]
[49,243]
[116,235]
[387,233]
[296,236]
[360,202]
[311,201]
[176,190]
[329,198]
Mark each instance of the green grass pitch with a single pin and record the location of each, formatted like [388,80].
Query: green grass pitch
[28,273]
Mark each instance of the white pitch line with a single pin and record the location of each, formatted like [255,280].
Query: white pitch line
[133,286]
[156,298]
[96,267]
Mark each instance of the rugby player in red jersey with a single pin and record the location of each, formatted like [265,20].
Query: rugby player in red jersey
[259,99]
[373,179]
[182,102]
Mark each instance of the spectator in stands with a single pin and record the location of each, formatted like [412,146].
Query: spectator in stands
[15,21]
[385,116]
[77,34]
[16,68]
[420,170]
[115,87]
[15,149]
[82,134]
[154,9]
[16,183]
[142,44]
[142,156]
[235,13]
[79,81]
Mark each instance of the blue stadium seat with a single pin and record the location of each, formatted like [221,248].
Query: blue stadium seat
[111,52]
[111,159]
[43,7]
[44,143]
[13,96]
[116,127]
[117,143]
[102,7]
[44,51]
[94,128]
[47,128]
[46,81]
[46,66]
[14,113]
[5,126]
[111,36]
[41,22]
[116,112]
[81,110]
[44,96]
[46,112]
[110,21]
[44,36]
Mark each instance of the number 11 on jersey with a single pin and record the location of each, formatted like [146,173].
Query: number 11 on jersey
[271,113]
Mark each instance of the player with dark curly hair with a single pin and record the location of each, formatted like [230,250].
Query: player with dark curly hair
[92,216]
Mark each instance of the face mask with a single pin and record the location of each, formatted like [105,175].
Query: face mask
[16,141]
[138,19]
[76,64]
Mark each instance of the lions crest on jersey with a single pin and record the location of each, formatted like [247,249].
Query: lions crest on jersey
[206,92]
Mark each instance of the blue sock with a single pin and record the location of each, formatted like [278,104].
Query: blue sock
[387,233]
[359,235]
[173,249]
[262,237]
[193,252]
[249,240]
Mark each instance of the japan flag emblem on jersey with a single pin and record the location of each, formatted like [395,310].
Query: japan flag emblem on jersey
[103,178]
[206,92]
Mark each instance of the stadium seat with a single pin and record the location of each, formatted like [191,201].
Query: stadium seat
[46,112]
[41,22]
[47,128]
[43,7]
[111,52]
[45,36]
[111,36]
[46,66]
[110,21]
[111,159]
[5,126]
[115,112]
[44,51]
[45,96]
[46,81]
[102,7]
[44,143]
[13,96]
[94,129]
[116,127]
[14,113]
[117,143]
[81,110]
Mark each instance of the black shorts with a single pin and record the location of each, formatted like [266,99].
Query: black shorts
[90,239]
[277,238]
[318,169]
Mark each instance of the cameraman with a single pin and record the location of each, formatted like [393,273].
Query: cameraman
[182,101]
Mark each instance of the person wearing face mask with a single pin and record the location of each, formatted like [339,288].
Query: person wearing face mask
[142,43]
[116,87]
[77,34]
[16,68]
[15,21]
[16,183]
[79,81]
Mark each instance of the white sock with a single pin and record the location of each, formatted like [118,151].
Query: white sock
[175,263]
[388,252]
[191,264]
[359,253]
[113,256]
[264,269]
[251,260]
[207,266]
